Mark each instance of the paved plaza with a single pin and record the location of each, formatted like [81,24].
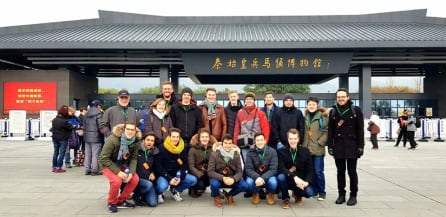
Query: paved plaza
[393,181]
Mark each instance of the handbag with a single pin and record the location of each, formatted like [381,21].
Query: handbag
[245,140]
[73,140]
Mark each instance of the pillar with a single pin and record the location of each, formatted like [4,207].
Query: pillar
[365,93]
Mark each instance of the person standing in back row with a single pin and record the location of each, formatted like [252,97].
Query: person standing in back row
[119,114]
[411,128]
[346,143]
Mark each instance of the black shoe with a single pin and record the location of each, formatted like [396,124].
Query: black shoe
[140,202]
[247,194]
[395,146]
[193,193]
[112,208]
[340,200]
[352,201]
[87,173]
[262,194]
[96,173]
[126,204]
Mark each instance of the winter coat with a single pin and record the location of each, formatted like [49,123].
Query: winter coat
[60,128]
[410,123]
[155,124]
[285,119]
[118,115]
[146,166]
[169,163]
[251,123]
[346,136]
[231,115]
[256,167]
[303,163]
[273,110]
[315,135]
[218,125]
[172,101]
[374,128]
[109,154]
[92,126]
[188,120]
[217,165]
[198,156]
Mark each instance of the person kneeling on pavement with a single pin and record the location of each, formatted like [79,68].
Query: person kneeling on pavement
[261,169]
[172,167]
[225,170]
[118,161]
[296,170]
[198,157]
[145,194]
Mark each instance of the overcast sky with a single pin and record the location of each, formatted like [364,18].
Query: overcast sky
[22,12]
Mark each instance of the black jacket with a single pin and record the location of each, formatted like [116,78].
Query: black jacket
[60,128]
[168,163]
[145,166]
[283,120]
[303,163]
[231,115]
[187,119]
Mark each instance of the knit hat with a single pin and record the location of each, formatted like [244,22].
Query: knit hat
[288,96]
[250,94]
[187,90]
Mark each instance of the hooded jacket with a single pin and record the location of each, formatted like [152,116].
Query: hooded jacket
[109,154]
[199,155]
[315,136]
[217,164]
[92,126]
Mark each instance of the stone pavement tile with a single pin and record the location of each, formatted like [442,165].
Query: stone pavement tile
[189,211]
[275,210]
[401,213]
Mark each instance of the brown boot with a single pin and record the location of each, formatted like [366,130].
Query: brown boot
[231,201]
[271,199]
[217,201]
[297,200]
[255,199]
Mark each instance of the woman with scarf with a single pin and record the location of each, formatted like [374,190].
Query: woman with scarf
[225,170]
[145,193]
[213,114]
[158,121]
[172,167]
[118,161]
[198,157]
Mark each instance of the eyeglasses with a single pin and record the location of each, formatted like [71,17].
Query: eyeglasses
[130,129]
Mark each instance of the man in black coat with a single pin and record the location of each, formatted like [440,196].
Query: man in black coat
[346,142]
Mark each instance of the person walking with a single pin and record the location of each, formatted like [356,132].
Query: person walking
[346,143]
[374,129]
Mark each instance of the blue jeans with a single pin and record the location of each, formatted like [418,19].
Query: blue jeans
[319,177]
[59,153]
[146,189]
[271,185]
[162,184]
[236,188]
[287,183]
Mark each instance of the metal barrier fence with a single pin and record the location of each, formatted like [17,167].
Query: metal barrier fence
[434,129]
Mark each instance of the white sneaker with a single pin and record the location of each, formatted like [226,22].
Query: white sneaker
[160,198]
[176,195]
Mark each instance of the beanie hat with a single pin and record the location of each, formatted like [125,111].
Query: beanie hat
[187,90]
[288,96]
[250,94]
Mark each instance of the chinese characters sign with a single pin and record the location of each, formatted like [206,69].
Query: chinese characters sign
[29,96]
[268,63]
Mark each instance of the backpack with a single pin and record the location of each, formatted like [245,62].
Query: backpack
[144,114]
[73,140]
[417,122]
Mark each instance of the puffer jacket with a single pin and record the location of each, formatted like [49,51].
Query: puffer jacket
[109,154]
[199,155]
[92,126]
[315,136]
[217,164]
[218,125]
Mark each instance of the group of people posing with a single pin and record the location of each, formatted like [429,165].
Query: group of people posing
[176,144]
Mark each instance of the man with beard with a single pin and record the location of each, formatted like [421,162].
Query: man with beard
[284,119]
[167,93]
[346,143]
[120,113]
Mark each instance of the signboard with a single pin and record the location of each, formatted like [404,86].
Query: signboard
[17,124]
[46,117]
[305,63]
[29,96]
